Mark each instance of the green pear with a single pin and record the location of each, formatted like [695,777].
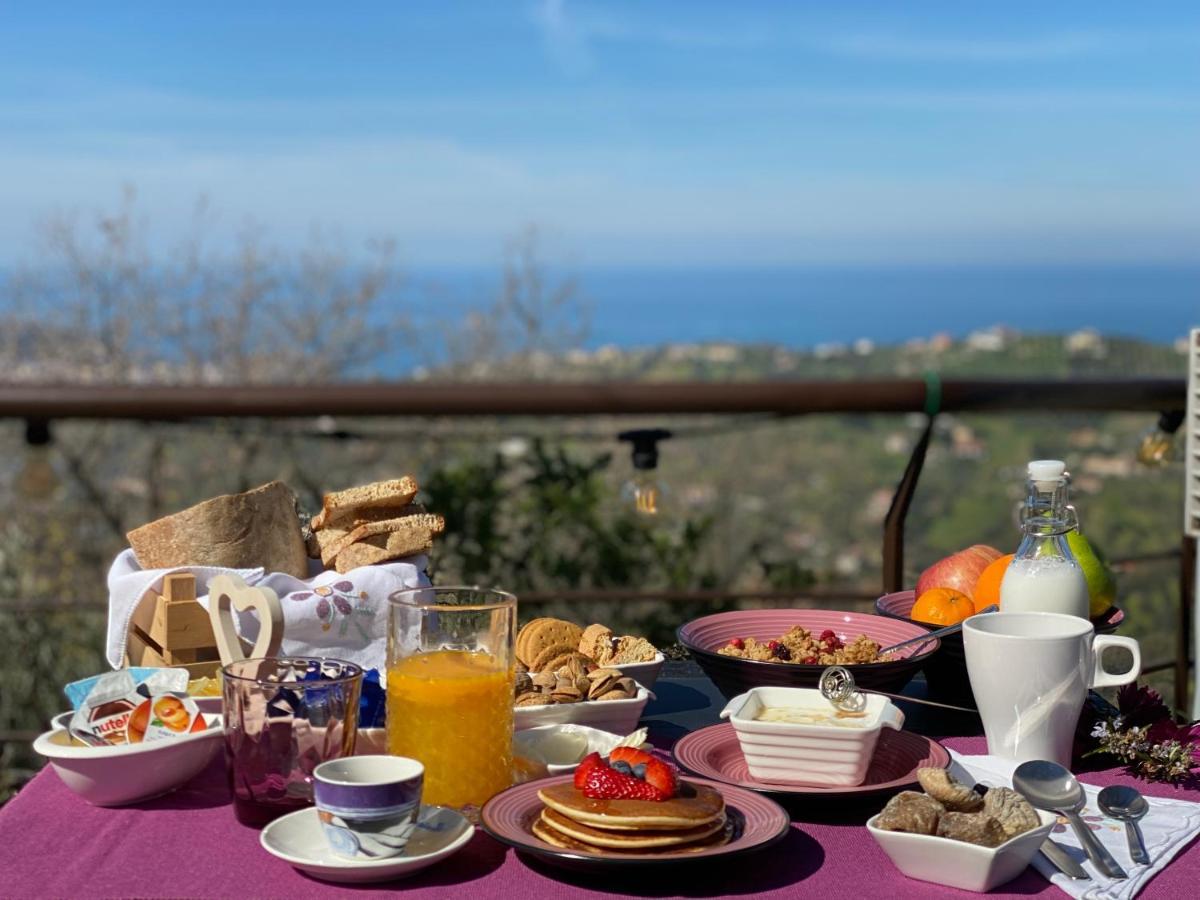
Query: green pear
[1102,585]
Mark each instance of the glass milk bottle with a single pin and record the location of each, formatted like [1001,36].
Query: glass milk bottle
[1044,576]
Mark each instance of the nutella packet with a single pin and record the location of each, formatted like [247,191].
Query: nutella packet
[118,710]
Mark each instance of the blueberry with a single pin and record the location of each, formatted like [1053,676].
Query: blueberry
[639,771]
[623,767]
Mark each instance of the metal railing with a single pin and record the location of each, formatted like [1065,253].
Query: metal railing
[39,405]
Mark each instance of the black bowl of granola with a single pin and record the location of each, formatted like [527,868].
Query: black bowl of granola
[791,647]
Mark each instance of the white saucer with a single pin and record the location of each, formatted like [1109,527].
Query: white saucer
[297,838]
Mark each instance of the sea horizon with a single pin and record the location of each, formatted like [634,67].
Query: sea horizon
[805,307]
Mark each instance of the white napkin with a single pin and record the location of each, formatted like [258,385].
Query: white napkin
[1167,829]
[327,614]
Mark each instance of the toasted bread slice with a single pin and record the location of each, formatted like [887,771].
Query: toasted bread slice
[335,505]
[384,547]
[414,519]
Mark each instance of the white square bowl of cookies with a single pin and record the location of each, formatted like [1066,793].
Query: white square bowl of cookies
[547,643]
[573,694]
[954,836]
[617,716]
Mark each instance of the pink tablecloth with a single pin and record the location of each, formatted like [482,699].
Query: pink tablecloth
[188,844]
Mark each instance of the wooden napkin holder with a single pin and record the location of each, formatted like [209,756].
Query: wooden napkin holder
[174,631]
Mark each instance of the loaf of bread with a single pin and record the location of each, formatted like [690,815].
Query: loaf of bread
[236,531]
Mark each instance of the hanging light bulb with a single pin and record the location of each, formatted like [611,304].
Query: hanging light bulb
[37,479]
[1157,445]
[645,493]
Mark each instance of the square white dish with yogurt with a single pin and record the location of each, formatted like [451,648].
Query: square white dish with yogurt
[796,736]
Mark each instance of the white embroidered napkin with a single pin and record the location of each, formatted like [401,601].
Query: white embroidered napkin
[327,614]
[1168,828]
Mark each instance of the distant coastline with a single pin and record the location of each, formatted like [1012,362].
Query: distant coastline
[819,308]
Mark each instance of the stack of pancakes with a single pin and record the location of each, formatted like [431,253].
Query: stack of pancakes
[693,820]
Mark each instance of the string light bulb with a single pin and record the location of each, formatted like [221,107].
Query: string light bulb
[37,479]
[645,493]
[1156,446]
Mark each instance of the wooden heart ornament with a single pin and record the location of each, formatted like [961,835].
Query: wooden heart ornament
[227,593]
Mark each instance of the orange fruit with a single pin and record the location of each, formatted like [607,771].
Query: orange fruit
[987,588]
[942,606]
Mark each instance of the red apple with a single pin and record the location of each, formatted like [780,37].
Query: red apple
[959,571]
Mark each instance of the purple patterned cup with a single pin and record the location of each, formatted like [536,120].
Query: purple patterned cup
[368,805]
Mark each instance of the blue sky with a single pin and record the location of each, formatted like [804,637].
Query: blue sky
[686,132]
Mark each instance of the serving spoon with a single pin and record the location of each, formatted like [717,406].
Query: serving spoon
[940,632]
[1128,805]
[1052,787]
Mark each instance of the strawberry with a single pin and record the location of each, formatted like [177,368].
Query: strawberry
[603,783]
[588,763]
[631,755]
[656,772]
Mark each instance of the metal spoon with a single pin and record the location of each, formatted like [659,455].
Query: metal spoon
[1049,786]
[1128,805]
[941,632]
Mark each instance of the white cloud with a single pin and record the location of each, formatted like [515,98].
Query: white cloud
[446,202]
[570,33]
[562,36]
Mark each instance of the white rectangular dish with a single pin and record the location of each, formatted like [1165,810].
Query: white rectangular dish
[617,716]
[958,864]
[805,753]
[644,673]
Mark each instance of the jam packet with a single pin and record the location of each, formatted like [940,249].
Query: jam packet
[119,710]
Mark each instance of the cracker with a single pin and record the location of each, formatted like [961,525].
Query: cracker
[549,633]
[596,643]
[541,662]
[523,639]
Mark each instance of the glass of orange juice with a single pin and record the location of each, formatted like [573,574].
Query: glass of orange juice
[450,689]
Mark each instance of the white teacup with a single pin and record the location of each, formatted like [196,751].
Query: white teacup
[1030,673]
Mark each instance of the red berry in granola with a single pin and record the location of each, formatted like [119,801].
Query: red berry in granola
[771,645]
[737,644]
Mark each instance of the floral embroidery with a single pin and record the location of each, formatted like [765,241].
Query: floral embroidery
[1094,822]
[340,599]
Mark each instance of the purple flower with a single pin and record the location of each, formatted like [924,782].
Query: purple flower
[1141,706]
[1166,730]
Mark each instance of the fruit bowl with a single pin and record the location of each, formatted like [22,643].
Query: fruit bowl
[946,670]
[704,636]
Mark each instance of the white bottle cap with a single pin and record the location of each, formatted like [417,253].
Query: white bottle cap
[1046,470]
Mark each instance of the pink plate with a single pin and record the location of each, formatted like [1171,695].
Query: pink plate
[757,822]
[714,753]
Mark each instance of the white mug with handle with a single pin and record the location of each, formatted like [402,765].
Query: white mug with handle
[1030,673]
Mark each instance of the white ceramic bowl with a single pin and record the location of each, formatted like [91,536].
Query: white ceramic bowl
[127,773]
[644,673]
[958,864]
[617,716]
[528,743]
[802,753]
